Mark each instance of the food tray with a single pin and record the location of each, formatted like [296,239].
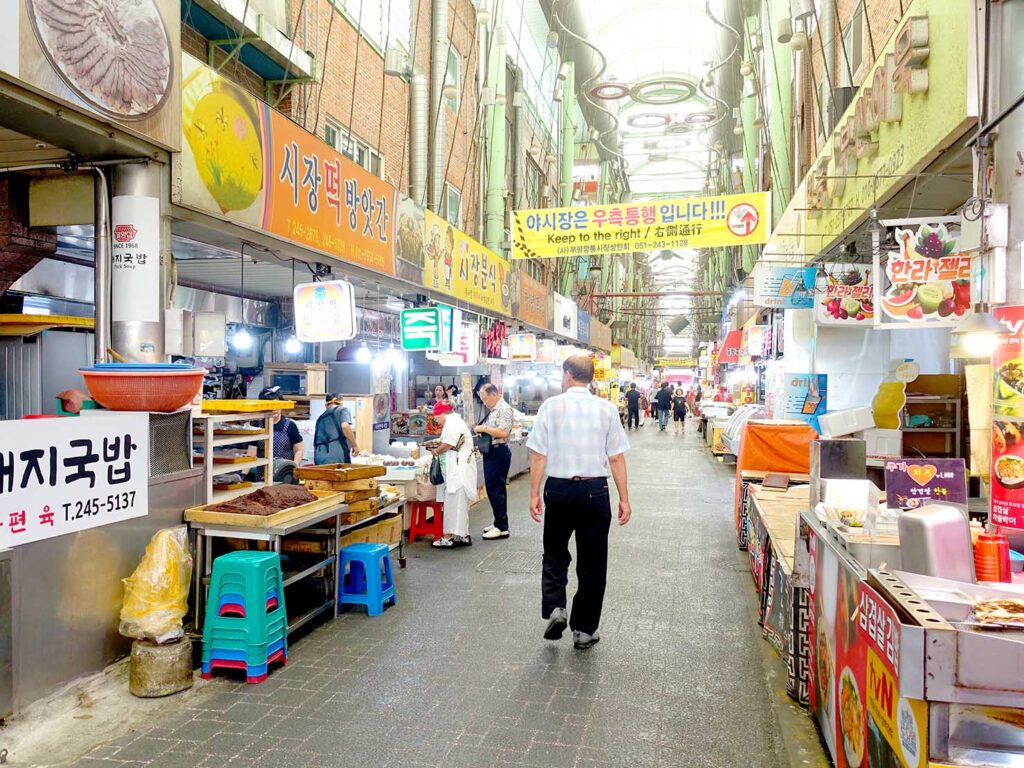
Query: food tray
[227,459]
[246,406]
[366,484]
[232,486]
[200,514]
[339,472]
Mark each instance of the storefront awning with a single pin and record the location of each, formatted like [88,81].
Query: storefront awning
[731,348]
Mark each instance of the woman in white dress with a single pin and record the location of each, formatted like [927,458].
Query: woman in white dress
[460,482]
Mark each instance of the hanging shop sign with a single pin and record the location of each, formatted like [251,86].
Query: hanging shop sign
[600,335]
[755,339]
[135,259]
[546,350]
[451,323]
[845,295]
[410,224]
[457,265]
[583,326]
[467,347]
[522,347]
[495,341]
[58,48]
[693,222]
[1008,421]
[60,476]
[917,99]
[927,282]
[324,311]
[674,362]
[421,329]
[378,325]
[805,398]
[623,357]
[912,484]
[534,302]
[730,349]
[784,287]
[566,317]
[247,163]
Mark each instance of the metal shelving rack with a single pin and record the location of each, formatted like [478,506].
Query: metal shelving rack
[932,404]
[208,441]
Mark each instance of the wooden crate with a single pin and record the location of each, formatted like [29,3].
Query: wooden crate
[340,472]
[350,517]
[356,537]
[387,531]
[366,504]
[369,484]
[325,500]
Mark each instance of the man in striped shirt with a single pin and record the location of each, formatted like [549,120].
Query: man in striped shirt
[577,439]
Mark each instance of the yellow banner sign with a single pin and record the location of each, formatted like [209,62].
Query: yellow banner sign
[675,362]
[691,222]
[459,266]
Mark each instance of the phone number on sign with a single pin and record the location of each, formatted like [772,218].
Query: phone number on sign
[115,502]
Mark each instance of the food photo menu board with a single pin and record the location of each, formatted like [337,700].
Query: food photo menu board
[1008,421]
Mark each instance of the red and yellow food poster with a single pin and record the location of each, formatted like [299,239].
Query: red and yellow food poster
[897,727]
[457,265]
[1008,421]
[246,163]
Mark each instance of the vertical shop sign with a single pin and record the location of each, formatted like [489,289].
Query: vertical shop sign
[466,348]
[566,318]
[927,281]
[583,326]
[135,259]
[805,397]
[913,484]
[1008,421]
[845,295]
[534,301]
[324,311]
[785,287]
[896,726]
[494,341]
[60,476]
[421,329]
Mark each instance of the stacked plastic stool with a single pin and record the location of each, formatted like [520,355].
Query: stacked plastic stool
[369,580]
[419,525]
[246,626]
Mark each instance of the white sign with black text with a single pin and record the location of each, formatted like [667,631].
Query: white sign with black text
[60,476]
[135,259]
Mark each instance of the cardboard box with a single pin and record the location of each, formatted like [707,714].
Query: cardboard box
[846,422]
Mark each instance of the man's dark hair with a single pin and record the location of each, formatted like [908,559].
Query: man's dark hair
[632,385]
[490,389]
[580,367]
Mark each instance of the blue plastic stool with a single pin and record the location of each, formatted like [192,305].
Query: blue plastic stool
[363,561]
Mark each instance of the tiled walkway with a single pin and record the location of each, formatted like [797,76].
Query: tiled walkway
[458,675]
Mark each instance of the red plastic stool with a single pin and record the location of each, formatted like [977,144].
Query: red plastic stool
[419,525]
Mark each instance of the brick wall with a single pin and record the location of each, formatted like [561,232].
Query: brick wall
[378,114]
[21,246]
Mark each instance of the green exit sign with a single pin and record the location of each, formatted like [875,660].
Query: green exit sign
[421,329]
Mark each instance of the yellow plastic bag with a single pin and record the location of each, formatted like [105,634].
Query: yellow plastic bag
[156,594]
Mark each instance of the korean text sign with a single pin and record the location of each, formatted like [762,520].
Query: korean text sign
[60,476]
[534,301]
[845,295]
[1008,421]
[324,311]
[459,266]
[912,484]
[246,163]
[896,726]
[693,222]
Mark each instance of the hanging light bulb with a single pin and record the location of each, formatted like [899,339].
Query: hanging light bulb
[395,358]
[483,15]
[746,69]
[363,354]
[242,340]
[293,346]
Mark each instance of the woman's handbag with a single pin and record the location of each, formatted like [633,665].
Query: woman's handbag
[436,476]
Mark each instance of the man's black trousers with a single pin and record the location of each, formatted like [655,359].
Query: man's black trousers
[581,507]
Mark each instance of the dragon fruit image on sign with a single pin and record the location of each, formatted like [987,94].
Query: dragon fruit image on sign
[114,54]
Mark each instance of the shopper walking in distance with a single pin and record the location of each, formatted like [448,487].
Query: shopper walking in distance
[633,407]
[497,425]
[664,398]
[577,439]
[679,410]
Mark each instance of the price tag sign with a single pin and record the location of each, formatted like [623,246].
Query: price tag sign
[60,476]
[911,484]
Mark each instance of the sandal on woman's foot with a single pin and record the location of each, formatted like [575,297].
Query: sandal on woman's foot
[443,543]
[463,541]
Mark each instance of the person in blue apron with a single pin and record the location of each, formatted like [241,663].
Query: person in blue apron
[334,439]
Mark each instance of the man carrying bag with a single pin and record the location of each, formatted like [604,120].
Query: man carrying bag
[491,440]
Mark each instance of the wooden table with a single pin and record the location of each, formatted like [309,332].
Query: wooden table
[779,512]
